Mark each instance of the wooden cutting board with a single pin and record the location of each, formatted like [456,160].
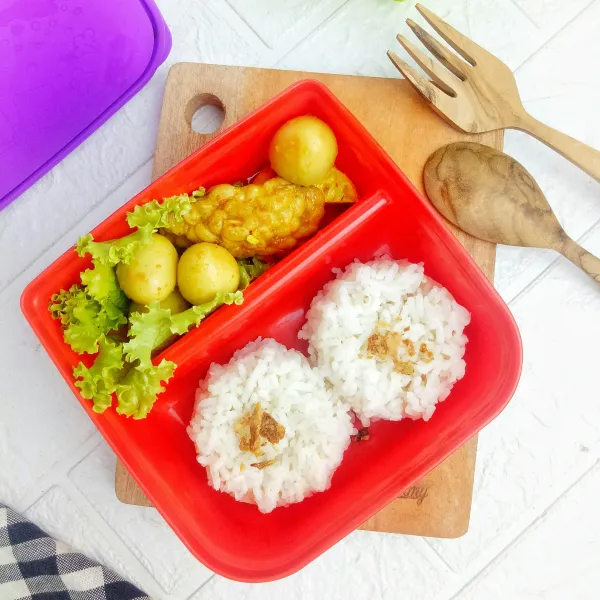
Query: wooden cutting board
[439,505]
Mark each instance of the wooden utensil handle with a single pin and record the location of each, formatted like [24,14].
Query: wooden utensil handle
[585,157]
[582,258]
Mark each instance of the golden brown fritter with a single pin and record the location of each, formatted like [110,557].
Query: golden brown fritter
[251,220]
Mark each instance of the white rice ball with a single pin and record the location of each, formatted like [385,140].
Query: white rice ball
[394,299]
[317,427]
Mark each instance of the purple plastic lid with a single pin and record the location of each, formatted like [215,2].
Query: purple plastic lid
[66,66]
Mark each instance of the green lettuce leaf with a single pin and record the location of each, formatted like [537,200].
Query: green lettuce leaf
[150,330]
[89,324]
[89,311]
[181,322]
[62,304]
[250,269]
[137,391]
[112,252]
[99,381]
[84,320]
[103,287]
[147,331]
[158,214]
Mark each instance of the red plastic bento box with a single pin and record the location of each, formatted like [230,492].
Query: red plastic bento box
[235,539]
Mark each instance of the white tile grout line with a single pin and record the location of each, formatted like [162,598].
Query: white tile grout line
[553,36]
[309,19]
[525,14]
[224,10]
[559,498]
[58,471]
[247,24]
[195,592]
[312,32]
[530,519]
[428,552]
[59,477]
[505,539]
[148,583]
[329,18]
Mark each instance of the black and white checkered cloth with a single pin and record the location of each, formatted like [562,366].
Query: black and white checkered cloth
[34,566]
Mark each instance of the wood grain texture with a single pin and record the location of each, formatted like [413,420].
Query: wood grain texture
[580,257]
[438,505]
[493,197]
[479,93]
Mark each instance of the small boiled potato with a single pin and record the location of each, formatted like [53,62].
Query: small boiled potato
[204,270]
[151,274]
[175,302]
[303,150]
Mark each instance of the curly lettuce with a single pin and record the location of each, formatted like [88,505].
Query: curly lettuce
[147,332]
[98,382]
[139,388]
[250,269]
[160,214]
[192,317]
[86,320]
[112,252]
[102,286]
[150,330]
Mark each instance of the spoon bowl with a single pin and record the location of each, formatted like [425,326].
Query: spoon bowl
[491,196]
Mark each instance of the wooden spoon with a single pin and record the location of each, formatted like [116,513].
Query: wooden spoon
[491,196]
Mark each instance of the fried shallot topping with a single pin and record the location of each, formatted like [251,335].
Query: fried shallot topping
[386,345]
[253,428]
[363,435]
[270,429]
[264,464]
[404,368]
[410,347]
[250,442]
[425,355]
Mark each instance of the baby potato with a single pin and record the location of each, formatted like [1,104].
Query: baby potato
[151,274]
[303,150]
[175,302]
[204,270]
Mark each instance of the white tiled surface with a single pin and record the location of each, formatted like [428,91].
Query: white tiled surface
[535,527]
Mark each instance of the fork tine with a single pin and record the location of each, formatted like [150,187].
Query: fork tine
[425,87]
[467,48]
[454,64]
[438,74]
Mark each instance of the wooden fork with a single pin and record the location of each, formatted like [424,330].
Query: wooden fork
[479,93]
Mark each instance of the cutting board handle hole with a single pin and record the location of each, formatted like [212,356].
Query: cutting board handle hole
[205,113]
